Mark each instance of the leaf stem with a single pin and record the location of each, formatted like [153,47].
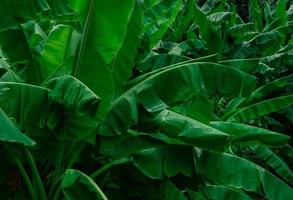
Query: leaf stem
[23,173]
[109,165]
[35,173]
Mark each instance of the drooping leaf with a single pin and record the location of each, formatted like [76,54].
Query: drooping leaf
[78,101]
[270,88]
[26,104]
[190,131]
[165,161]
[217,169]
[246,133]
[274,161]
[153,157]
[10,133]
[77,185]
[261,108]
[173,85]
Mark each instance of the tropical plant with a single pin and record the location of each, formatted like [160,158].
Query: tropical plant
[146,99]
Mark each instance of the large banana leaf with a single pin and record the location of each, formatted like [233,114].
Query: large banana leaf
[261,108]
[190,131]
[26,104]
[157,19]
[175,85]
[77,185]
[10,133]
[274,161]
[34,106]
[95,56]
[246,133]
[60,46]
[159,162]
[79,103]
[124,60]
[271,87]
[152,157]
[230,170]
[276,86]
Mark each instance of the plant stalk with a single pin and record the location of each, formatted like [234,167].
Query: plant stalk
[36,174]
[109,165]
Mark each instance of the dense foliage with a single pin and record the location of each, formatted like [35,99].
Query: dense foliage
[146,99]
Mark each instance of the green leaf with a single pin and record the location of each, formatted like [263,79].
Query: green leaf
[77,185]
[18,12]
[247,133]
[158,18]
[256,14]
[153,157]
[6,73]
[250,66]
[190,48]
[159,61]
[274,161]
[219,17]
[93,61]
[229,170]
[171,192]
[17,50]
[40,107]
[190,131]
[281,11]
[208,32]
[124,60]
[270,88]
[261,108]
[175,85]
[78,101]
[219,192]
[10,133]
[164,161]
[58,49]
[25,103]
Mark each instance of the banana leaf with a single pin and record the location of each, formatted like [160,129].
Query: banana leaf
[9,132]
[216,168]
[190,131]
[274,161]
[246,133]
[77,185]
[260,109]
[157,18]
[219,192]
[175,85]
[95,57]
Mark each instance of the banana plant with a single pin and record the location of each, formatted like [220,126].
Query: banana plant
[146,99]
